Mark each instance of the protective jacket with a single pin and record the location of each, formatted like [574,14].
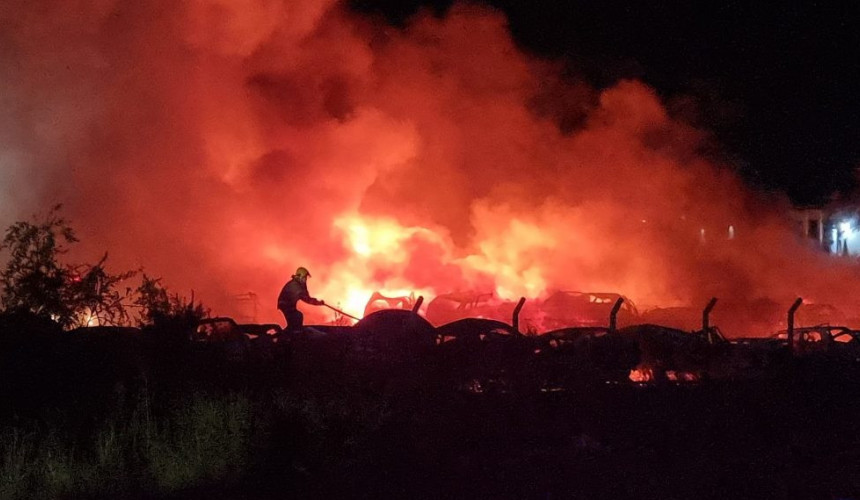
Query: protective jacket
[292,293]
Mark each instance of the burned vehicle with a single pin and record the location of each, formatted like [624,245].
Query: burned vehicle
[385,351]
[392,335]
[839,342]
[682,318]
[479,355]
[450,307]
[575,309]
[379,302]
[670,354]
[581,356]
[235,342]
[750,318]
[824,346]
[646,353]
[813,314]
[643,353]
[220,329]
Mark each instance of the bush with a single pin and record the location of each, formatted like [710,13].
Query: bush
[160,308]
[34,281]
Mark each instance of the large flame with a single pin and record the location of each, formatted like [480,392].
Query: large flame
[221,144]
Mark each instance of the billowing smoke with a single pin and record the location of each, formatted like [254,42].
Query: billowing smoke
[221,144]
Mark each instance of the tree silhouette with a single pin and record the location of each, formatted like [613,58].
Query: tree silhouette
[95,296]
[161,308]
[33,279]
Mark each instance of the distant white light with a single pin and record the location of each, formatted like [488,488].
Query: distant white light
[846,229]
[731,232]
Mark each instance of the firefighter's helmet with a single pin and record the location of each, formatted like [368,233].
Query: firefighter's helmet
[302,273]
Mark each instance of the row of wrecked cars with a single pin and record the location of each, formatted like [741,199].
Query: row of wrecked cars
[478,354]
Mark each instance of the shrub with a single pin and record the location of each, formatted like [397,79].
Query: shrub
[33,279]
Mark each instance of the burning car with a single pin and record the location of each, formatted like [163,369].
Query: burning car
[677,355]
[645,353]
[573,309]
[379,302]
[450,307]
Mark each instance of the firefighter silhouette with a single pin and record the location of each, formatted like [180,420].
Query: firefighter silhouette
[295,290]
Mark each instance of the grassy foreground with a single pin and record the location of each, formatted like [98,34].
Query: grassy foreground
[206,442]
[153,416]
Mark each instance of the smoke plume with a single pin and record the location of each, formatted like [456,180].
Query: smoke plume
[221,144]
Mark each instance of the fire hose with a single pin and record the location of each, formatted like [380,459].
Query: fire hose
[335,309]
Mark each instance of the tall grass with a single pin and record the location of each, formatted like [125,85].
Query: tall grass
[35,467]
[206,439]
[165,445]
[14,468]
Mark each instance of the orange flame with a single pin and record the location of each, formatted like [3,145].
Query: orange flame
[641,375]
[431,159]
[375,261]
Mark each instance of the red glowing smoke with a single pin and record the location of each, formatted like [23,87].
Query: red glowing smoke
[221,144]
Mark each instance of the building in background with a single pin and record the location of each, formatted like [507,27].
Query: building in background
[833,228]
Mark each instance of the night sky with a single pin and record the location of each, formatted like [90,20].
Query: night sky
[778,88]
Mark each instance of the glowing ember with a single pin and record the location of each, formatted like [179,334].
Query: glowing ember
[676,376]
[641,375]
[644,374]
[90,320]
